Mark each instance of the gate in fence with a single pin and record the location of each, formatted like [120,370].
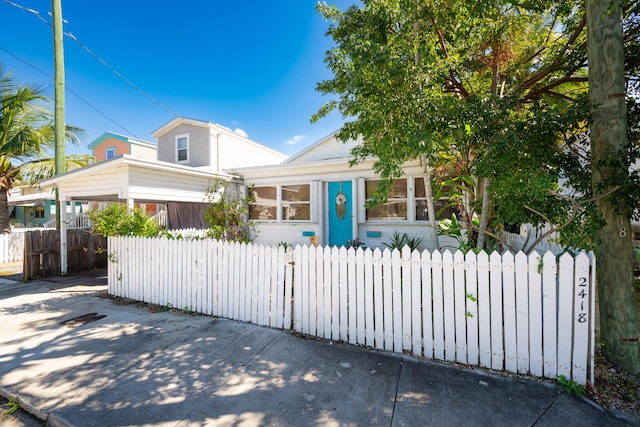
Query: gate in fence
[85,251]
[526,314]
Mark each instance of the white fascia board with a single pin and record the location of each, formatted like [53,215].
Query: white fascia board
[323,167]
[128,160]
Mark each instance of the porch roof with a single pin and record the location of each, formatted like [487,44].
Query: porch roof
[128,177]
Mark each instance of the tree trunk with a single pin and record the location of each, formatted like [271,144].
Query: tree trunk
[608,130]
[484,212]
[431,211]
[5,223]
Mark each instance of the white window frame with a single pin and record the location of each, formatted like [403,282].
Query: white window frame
[107,151]
[408,199]
[178,137]
[279,203]
[283,202]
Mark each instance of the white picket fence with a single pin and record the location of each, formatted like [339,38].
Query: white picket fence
[530,315]
[12,246]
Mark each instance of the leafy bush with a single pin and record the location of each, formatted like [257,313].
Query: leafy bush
[227,213]
[118,220]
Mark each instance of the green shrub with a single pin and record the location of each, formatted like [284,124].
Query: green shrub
[399,241]
[118,220]
[227,213]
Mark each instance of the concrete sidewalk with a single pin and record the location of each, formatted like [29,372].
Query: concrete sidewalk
[133,367]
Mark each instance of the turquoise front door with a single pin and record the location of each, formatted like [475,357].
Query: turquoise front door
[340,207]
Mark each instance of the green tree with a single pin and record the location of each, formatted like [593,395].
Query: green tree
[26,132]
[492,94]
[457,84]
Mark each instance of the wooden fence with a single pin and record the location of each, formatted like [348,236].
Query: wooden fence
[530,315]
[85,251]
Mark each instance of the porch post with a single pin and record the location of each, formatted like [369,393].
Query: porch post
[355,206]
[62,214]
[130,203]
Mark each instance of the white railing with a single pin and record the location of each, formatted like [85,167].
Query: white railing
[79,221]
[160,218]
[525,314]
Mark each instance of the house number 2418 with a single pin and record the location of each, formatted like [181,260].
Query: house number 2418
[582,285]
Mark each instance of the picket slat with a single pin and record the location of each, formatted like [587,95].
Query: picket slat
[416,318]
[326,258]
[351,296]
[460,302]
[549,313]
[396,295]
[518,313]
[369,308]
[378,298]
[473,349]
[427,305]
[535,315]
[449,307]
[581,320]
[484,311]
[522,312]
[335,293]
[407,306]
[387,300]
[360,302]
[320,300]
[565,313]
[438,307]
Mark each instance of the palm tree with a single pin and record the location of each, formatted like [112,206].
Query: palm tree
[26,132]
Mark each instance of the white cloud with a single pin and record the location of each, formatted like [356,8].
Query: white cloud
[241,132]
[295,140]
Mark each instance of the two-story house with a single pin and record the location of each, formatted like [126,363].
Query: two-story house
[190,156]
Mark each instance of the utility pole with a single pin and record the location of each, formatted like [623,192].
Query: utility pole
[59,125]
[608,132]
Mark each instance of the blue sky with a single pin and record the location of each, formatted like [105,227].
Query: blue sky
[250,65]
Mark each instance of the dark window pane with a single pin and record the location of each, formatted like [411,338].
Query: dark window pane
[397,190]
[442,210]
[263,194]
[296,192]
[296,212]
[390,211]
[262,212]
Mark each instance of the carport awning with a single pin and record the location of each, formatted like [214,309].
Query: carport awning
[131,178]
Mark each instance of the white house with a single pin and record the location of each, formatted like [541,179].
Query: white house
[189,160]
[312,197]
[315,196]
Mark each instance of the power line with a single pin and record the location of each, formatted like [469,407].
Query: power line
[71,91]
[109,67]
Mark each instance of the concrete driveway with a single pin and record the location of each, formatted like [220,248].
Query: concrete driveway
[75,358]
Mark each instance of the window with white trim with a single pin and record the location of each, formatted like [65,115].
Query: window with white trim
[265,205]
[110,153]
[395,208]
[182,148]
[293,201]
[441,206]
[296,202]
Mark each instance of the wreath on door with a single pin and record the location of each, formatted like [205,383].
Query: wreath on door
[341,205]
